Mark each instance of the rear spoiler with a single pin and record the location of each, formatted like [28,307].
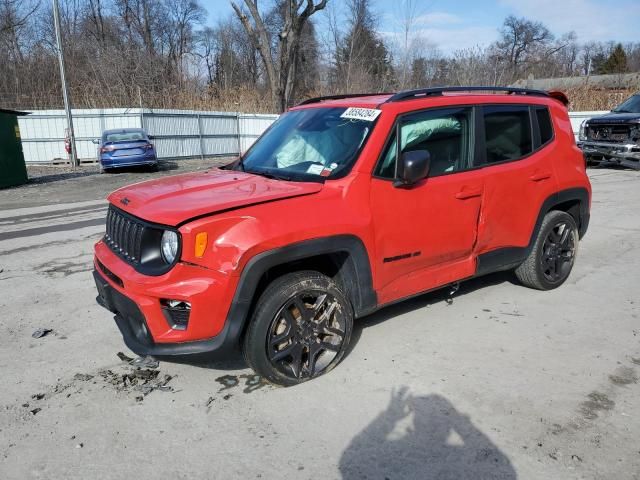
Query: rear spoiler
[560,96]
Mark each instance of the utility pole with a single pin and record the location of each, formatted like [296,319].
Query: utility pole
[63,79]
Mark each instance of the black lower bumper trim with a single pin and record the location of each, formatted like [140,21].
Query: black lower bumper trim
[137,337]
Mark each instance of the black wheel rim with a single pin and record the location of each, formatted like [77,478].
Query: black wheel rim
[558,252]
[307,334]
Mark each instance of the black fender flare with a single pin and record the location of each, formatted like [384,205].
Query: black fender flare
[355,274]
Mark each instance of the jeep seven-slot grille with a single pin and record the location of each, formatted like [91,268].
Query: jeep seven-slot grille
[124,235]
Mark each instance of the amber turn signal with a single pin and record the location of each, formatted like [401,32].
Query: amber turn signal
[201,244]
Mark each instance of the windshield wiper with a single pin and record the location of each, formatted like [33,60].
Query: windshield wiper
[622,110]
[274,176]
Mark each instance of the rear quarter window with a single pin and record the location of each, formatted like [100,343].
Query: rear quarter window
[544,125]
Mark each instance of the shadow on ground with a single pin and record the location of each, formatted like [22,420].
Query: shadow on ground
[423,437]
[234,360]
[426,299]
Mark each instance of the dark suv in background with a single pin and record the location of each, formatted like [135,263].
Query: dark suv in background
[613,137]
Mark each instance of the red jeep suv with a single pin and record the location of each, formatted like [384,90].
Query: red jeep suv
[344,205]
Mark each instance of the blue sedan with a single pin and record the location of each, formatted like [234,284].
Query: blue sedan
[126,147]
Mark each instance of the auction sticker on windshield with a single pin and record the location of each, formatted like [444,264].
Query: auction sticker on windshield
[368,114]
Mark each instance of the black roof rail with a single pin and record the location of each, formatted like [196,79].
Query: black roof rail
[437,91]
[339,97]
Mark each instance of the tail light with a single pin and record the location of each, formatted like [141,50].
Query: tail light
[148,146]
[108,148]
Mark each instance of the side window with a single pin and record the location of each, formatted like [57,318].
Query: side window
[507,132]
[544,125]
[445,133]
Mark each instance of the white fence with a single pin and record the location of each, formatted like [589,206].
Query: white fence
[177,133]
[578,117]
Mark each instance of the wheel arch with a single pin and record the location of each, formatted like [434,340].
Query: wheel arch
[344,258]
[574,201]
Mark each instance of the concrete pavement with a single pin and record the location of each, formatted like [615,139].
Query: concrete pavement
[505,382]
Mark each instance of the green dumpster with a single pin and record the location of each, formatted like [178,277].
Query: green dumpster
[12,168]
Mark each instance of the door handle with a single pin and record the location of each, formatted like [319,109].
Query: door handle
[538,176]
[468,193]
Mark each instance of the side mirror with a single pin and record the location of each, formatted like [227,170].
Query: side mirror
[96,141]
[414,166]
[151,137]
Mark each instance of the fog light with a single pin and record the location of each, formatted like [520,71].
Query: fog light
[176,312]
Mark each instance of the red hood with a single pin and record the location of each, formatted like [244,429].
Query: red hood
[173,200]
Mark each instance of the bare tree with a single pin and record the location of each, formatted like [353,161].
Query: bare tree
[520,40]
[281,73]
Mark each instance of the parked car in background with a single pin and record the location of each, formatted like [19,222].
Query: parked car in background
[613,137]
[125,147]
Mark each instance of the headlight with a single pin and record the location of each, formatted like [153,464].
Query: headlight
[169,246]
[582,135]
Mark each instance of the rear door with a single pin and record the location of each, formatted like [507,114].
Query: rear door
[425,234]
[518,153]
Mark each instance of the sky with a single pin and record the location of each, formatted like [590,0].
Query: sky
[451,25]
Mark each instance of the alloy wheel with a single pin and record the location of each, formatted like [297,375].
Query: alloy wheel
[307,334]
[558,252]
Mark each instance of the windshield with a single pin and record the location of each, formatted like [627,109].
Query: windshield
[630,105]
[311,144]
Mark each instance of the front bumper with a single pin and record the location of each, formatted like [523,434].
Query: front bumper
[627,155]
[135,301]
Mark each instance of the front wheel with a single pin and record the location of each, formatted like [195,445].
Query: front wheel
[300,330]
[553,254]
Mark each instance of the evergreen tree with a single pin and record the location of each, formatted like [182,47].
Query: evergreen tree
[617,61]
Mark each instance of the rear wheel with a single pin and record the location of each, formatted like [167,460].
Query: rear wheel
[553,254]
[300,330]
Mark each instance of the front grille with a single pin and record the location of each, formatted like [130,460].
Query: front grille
[124,235]
[609,133]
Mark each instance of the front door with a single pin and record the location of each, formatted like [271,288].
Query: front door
[425,234]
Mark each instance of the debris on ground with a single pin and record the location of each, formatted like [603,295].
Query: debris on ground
[36,410]
[83,377]
[227,382]
[453,289]
[140,380]
[252,382]
[124,358]
[146,361]
[41,332]
[37,396]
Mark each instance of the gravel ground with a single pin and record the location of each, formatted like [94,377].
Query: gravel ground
[504,382]
[49,185]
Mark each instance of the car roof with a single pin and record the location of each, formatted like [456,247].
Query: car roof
[377,100]
[123,130]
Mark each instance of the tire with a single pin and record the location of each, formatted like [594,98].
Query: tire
[553,254]
[301,328]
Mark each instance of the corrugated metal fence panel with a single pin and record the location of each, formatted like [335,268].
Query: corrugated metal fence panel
[44,131]
[251,127]
[178,133]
